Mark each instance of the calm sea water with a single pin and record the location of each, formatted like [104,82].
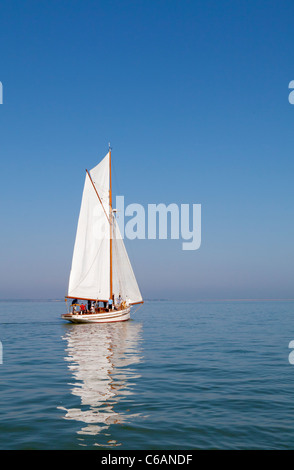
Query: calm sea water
[201,375]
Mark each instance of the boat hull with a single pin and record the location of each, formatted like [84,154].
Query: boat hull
[105,317]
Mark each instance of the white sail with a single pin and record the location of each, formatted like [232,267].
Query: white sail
[90,271]
[124,281]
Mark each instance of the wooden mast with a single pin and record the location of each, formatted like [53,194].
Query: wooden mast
[111,221]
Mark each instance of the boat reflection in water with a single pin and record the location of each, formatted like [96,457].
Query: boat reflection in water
[100,358]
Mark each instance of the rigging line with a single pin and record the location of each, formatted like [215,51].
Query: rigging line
[137,308]
[98,195]
[117,184]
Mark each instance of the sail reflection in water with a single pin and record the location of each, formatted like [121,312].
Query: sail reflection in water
[100,358]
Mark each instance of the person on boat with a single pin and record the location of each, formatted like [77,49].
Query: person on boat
[89,305]
[74,305]
[118,302]
[83,308]
[110,303]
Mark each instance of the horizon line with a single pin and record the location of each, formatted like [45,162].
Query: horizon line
[158,300]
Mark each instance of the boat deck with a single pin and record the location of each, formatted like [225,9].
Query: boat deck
[105,315]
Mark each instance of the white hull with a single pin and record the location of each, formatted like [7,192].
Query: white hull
[105,317]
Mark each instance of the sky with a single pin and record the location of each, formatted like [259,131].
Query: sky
[192,95]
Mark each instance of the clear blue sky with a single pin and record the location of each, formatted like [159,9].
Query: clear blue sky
[193,96]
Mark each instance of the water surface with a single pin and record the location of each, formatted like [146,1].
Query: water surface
[192,375]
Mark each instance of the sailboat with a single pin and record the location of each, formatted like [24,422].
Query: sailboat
[102,285]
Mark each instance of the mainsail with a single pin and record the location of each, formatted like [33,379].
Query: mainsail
[89,276]
[95,269]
